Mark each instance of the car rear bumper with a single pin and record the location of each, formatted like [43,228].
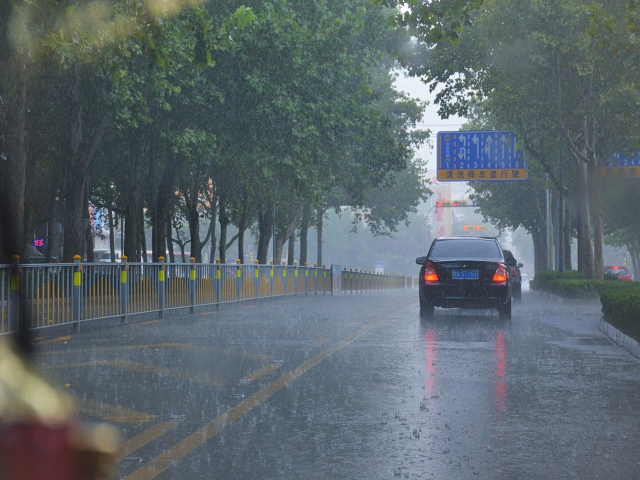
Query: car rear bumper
[466,296]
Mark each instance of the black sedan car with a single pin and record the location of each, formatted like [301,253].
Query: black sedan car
[514,268]
[465,272]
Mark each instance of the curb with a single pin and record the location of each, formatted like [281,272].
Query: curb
[567,301]
[619,338]
[550,296]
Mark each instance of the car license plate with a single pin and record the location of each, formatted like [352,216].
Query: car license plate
[465,274]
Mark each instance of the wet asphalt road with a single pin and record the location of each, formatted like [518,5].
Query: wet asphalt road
[358,386]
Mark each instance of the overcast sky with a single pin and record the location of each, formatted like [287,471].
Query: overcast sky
[432,121]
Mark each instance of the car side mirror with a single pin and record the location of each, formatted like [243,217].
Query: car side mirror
[520,265]
[511,261]
[421,260]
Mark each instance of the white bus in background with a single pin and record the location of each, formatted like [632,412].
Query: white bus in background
[104,256]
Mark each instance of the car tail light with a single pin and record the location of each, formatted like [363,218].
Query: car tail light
[500,276]
[430,275]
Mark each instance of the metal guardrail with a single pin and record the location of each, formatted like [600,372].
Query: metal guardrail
[64,294]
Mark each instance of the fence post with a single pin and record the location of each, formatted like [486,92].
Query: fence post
[315,276]
[192,285]
[124,290]
[324,275]
[256,281]
[295,276]
[76,295]
[14,297]
[271,279]
[238,280]
[217,283]
[284,280]
[162,292]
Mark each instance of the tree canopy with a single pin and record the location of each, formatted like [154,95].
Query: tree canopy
[196,113]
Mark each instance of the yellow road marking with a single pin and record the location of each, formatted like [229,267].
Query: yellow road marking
[55,340]
[318,342]
[186,346]
[146,323]
[180,450]
[261,372]
[140,440]
[141,367]
[113,413]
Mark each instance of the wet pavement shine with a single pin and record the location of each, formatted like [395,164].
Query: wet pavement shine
[359,387]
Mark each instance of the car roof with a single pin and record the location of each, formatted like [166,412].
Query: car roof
[460,237]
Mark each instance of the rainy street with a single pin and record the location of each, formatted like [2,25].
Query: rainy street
[358,386]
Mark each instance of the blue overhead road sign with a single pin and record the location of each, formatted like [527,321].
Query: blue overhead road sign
[470,155]
[622,166]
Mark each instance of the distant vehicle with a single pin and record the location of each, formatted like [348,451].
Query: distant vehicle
[465,272]
[514,270]
[621,272]
[104,256]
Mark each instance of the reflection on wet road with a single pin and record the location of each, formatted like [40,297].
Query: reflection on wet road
[358,386]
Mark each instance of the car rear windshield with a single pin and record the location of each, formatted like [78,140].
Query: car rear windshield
[616,271]
[465,248]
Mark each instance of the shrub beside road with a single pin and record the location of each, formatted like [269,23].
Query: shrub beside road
[620,300]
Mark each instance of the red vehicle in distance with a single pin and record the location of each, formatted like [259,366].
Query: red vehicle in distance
[621,272]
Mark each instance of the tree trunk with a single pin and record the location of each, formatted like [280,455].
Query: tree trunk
[242,226]
[132,228]
[304,232]
[265,232]
[133,205]
[214,239]
[73,215]
[143,238]
[319,222]
[280,239]
[286,230]
[88,235]
[172,258]
[598,260]
[634,261]
[159,227]
[112,233]
[223,218]
[566,236]
[585,250]
[291,249]
[76,172]
[13,168]
[539,250]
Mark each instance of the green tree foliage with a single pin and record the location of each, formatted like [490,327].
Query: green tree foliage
[172,113]
[542,70]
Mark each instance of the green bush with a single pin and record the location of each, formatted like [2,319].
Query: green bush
[620,300]
[543,281]
[573,284]
[568,288]
[621,308]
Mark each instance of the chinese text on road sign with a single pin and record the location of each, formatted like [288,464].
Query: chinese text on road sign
[479,155]
[622,166]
